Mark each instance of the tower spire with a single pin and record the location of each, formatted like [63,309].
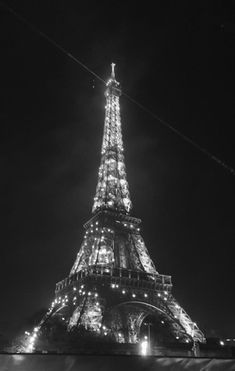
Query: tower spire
[112,191]
[113,72]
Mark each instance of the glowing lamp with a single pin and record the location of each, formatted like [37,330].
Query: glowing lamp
[144,347]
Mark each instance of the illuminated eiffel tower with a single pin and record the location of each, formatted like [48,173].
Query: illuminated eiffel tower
[114,289]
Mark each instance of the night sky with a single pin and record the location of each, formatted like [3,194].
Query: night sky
[177,60]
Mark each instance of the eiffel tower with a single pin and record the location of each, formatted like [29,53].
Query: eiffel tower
[113,289]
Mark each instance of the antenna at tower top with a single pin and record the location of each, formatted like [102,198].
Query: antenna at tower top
[113,72]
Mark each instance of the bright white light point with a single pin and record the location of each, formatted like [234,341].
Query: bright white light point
[145,295]
[74,289]
[162,322]
[134,295]
[221,342]
[158,294]
[123,291]
[165,298]
[119,334]
[165,292]
[177,337]
[144,347]
[146,337]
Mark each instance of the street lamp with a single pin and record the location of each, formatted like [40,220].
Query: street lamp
[144,347]
[149,342]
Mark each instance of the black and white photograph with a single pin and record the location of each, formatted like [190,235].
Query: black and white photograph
[117,185]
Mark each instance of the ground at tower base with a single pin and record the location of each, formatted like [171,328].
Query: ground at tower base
[71,362]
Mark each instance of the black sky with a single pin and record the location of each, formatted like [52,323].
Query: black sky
[177,59]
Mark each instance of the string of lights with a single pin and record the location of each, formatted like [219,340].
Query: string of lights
[93,302]
[227,167]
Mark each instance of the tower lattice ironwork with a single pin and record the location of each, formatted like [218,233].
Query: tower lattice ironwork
[113,286]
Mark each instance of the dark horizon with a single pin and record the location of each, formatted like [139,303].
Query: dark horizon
[178,61]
